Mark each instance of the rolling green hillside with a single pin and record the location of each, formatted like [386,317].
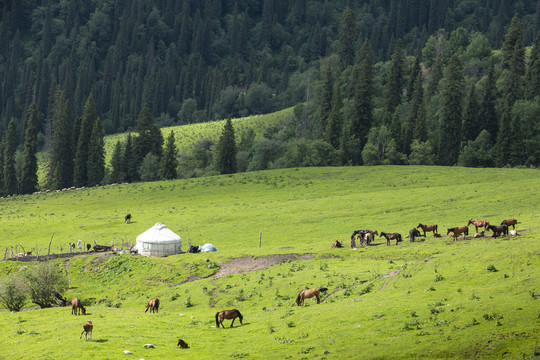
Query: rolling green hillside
[473,298]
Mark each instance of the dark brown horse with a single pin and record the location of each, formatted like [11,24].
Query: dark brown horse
[498,230]
[87,329]
[337,244]
[427,228]
[391,236]
[153,305]
[309,293]
[413,234]
[509,222]
[458,230]
[77,307]
[478,223]
[182,344]
[228,314]
[127,218]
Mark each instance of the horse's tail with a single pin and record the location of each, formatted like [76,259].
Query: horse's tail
[298,298]
[217,320]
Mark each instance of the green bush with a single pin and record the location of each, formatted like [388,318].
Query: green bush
[13,293]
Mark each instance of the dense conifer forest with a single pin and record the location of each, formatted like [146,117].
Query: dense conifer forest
[441,82]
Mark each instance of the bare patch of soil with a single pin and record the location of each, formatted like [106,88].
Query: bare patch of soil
[429,260]
[390,274]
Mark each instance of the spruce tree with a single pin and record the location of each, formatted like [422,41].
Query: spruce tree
[10,146]
[471,125]
[169,162]
[396,130]
[415,70]
[516,137]
[96,155]
[335,120]
[502,146]
[417,110]
[149,137]
[29,180]
[533,70]
[325,97]
[226,150]
[451,117]
[488,112]
[394,84]
[435,77]
[85,132]
[130,160]
[347,34]
[118,171]
[61,154]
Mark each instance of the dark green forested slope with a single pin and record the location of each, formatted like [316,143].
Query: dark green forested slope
[412,81]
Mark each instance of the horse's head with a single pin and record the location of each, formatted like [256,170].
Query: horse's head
[449,230]
[470,222]
[375,233]
[419,226]
[83,310]
[146,308]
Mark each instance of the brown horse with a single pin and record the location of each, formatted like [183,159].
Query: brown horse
[509,222]
[228,314]
[153,305]
[76,306]
[182,344]
[127,218]
[87,329]
[478,223]
[498,230]
[391,236]
[458,230]
[427,228]
[309,293]
[337,244]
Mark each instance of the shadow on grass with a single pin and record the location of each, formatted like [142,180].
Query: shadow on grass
[100,340]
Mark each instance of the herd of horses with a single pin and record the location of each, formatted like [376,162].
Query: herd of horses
[365,237]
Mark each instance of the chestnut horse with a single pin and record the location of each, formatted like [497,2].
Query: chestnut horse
[76,306]
[228,314]
[391,236]
[458,230]
[509,222]
[478,223]
[309,293]
[428,228]
[87,329]
[153,305]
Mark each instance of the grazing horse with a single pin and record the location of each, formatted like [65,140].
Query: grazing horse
[413,234]
[182,344]
[391,236]
[127,218]
[458,230]
[478,223]
[509,222]
[153,305]
[309,293]
[87,329]
[498,230]
[427,228]
[76,306]
[228,314]
[337,244]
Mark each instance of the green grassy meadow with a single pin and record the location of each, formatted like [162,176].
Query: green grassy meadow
[473,298]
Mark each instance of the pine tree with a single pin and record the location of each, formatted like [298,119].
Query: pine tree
[347,34]
[487,105]
[150,138]
[471,125]
[518,150]
[533,70]
[335,120]
[61,153]
[325,99]
[451,118]
[435,77]
[513,37]
[396,130]
[169,162]
[412,79]
[10,146]
[226,150]
[394,84]
[81,155]
[417,110]
[118,169]
[502,146]
[96,155]
[130,160]
[29,180]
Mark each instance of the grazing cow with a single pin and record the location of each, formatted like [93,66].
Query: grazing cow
[182,344]
[153,305]
[87,329]
[337,244]
[509,222]
[479,235]
[77,307]
[391,236]
[127,218]
[478,223]
[413,234]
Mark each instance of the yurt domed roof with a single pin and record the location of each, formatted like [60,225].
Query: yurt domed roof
[159,233]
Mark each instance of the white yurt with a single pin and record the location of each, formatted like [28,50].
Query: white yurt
[159,240]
